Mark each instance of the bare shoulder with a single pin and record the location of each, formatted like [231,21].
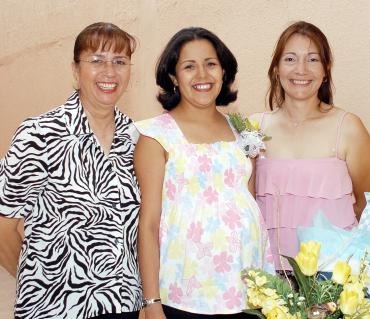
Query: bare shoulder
[146,144]
[353,127]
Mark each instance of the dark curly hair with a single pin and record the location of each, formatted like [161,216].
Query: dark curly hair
[166,65]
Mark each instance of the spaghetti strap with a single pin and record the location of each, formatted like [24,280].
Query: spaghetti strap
[262,119]
[339,129]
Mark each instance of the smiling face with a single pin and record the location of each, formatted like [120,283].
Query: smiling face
[300,69]
[198,74]
[101,85]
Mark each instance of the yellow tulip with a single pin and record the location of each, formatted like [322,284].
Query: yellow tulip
[307,263]
[356,287]
[341,272]
[348,302]
[311,246]
[255,124]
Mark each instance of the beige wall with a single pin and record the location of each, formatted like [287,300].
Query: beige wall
[37,41]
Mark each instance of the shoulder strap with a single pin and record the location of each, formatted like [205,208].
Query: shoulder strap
[262,120]
[339,128]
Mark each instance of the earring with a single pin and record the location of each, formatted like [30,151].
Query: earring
[174,89]
[325,79]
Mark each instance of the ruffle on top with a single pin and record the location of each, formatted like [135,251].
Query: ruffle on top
[320,178]
[291,192]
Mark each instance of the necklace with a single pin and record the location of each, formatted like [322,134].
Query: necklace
[298,123]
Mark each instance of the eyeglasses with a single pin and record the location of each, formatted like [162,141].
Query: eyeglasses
[118,64]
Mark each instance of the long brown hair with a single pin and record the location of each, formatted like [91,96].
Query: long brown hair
[276,94]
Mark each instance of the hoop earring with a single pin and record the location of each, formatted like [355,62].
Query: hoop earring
[175,89]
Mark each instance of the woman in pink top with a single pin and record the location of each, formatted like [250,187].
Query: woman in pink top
[318,158]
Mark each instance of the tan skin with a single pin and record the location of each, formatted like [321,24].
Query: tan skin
[11,237]
[200,122]
[302,119]
[99,108]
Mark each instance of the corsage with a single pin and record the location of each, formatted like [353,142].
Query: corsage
[251,138]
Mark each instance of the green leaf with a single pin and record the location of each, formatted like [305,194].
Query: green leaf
[237,121]
[302,280]
[255,312]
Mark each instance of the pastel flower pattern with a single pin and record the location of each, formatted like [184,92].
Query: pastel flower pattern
[211,227]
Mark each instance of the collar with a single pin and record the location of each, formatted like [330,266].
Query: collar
[77,123]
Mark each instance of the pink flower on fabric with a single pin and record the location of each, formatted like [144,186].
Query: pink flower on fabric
[204,163]
[195,232]
[175,293]
[222,262]
[232,219]
[210,195]
[170,189]
[232,298]
[229,177]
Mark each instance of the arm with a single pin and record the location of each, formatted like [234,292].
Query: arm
[149,163]
[10,243]
[356,145]
[22,177]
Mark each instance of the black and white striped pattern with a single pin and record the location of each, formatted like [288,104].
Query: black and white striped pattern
[80,209]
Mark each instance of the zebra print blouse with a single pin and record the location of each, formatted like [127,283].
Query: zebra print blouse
[78,259]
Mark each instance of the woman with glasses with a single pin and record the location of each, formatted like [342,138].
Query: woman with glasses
[319,156]
[69,175]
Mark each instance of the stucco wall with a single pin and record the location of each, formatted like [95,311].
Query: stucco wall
[37,42]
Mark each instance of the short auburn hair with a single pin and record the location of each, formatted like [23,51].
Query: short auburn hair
[103,35]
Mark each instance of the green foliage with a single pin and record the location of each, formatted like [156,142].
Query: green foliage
[302,280]
[280,285]
[325,291]
[238,122]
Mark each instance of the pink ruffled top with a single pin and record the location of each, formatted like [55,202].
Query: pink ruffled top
[291,191]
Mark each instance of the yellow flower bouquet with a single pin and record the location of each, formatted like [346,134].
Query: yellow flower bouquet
[342,296]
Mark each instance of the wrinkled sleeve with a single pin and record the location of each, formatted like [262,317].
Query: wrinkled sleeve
[23,171]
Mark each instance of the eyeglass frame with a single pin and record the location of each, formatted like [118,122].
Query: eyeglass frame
[99,63]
